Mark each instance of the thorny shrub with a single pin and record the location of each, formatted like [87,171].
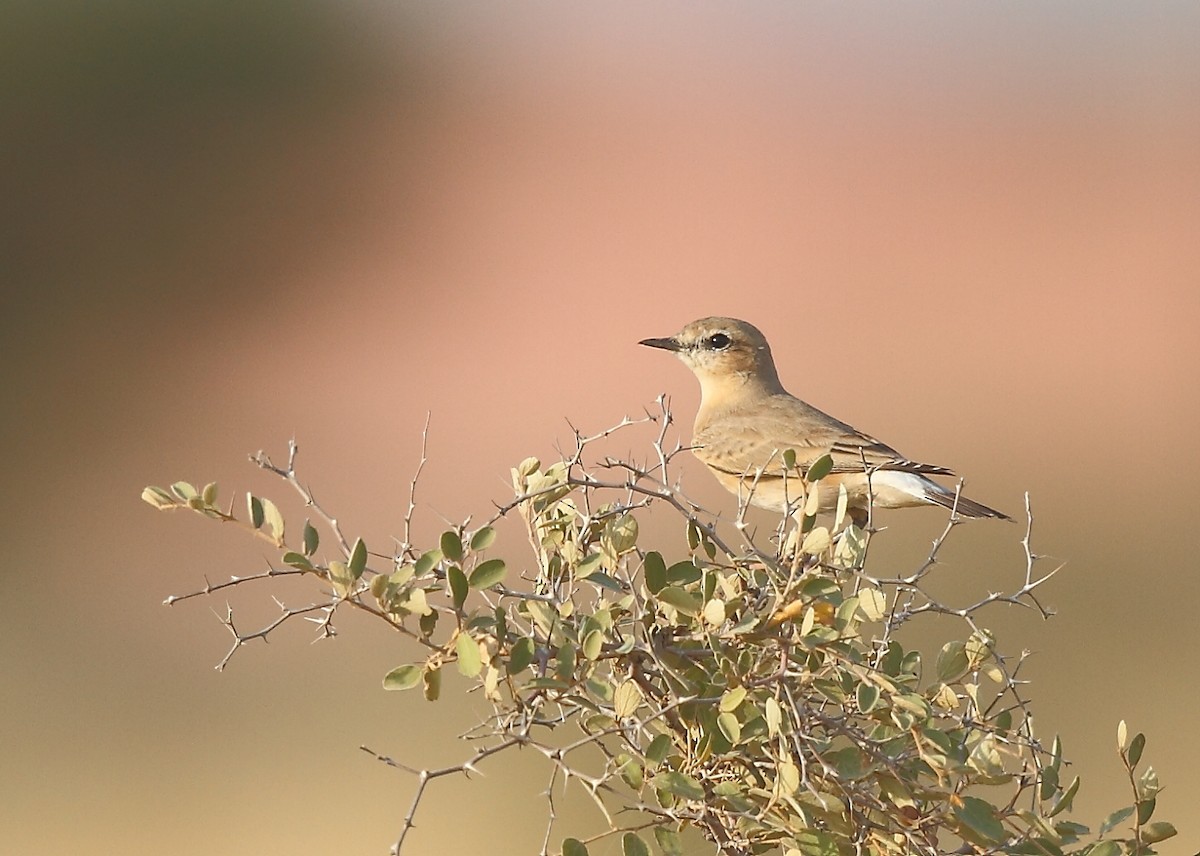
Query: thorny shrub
[756,694]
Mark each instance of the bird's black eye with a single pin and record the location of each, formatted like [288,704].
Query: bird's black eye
[719,341]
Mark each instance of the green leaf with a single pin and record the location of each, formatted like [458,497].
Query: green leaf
[487,574]
[1049,786]
[574,847]
[631,772]
[813,842]
[1117,817]
[311,538]
[358,559]
[402,678]
[297,561]
[952,662]
[209,494]
[657,751]
[1159,831]
[458,585]
[255,507]
[848,762]
[589,565]
[1064,802]
[521,655]
[677,783]
[535,684]
[655,571]
[426,562]
[631,845]
[820,468]
[789,458]
[980,817]
[469,661]
[1106,848]
[604,581]
[483,538]
[1145,810]
[451,545]
[565,657]
[683,573]
[668,841]
[867,696]
[684,601]
[1135,749]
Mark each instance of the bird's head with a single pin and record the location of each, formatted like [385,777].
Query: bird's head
[724,353]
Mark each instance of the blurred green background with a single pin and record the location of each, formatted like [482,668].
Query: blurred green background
[970,230]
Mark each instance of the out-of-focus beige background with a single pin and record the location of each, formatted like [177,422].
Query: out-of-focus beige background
[971,231]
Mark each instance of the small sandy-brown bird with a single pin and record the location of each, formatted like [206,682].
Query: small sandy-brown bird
[747,421]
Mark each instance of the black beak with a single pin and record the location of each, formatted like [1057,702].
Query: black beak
[665,344]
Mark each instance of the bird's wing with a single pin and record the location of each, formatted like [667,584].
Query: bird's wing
[741,443]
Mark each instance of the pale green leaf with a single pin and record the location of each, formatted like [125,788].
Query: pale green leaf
[432,680]
[159,498]
[626,699]
[732,699]
[184,490]
[274,520]
[469,661]
[714,612]
[402,678]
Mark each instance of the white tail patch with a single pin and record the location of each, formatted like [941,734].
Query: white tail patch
[914,485]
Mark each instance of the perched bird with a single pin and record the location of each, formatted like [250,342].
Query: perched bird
[747,421]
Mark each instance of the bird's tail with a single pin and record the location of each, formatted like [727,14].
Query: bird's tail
[964,507]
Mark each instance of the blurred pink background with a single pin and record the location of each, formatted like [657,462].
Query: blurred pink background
[969,230]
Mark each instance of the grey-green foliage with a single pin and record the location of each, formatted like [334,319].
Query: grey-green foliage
[759,697]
